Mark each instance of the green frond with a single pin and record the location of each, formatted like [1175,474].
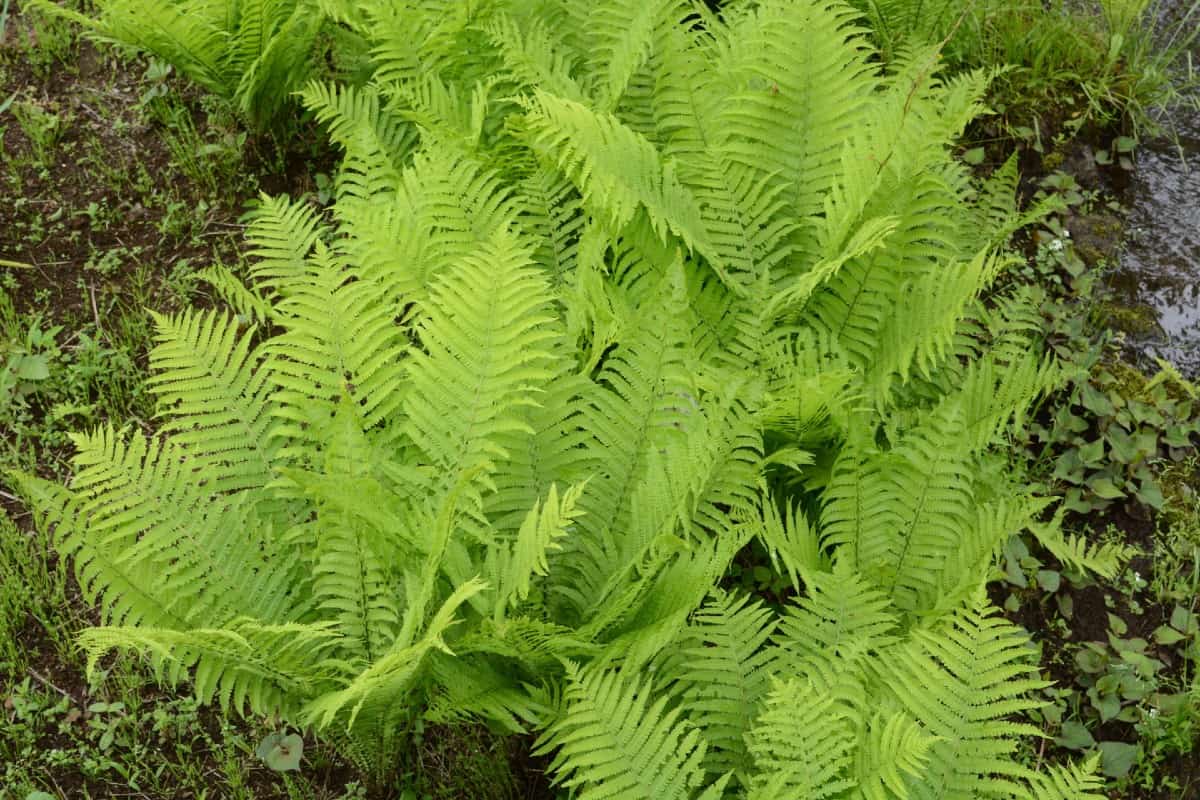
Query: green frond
[899,515]
[1069,782]
[189,35]
[350,586]
[516,566]
[642,607]
[896,745]
[281,234]
[932,506]
[921,328]
[339,339]
[802,744]
[793,81]
[965,680]
[857,518]
[614,740]
[722,672]
[250,54]
[215,395]
[278,57]
[842,618]
[197,558]
[641,393]
[616,170]
[553,216]
[466,689]
[360,121]
[247,303]
[533,58]
[384,679]
[443,209]
[997,397]
[621,36]
[247,666]
[123,590]
[486,341]
[1103,558]
[790,541]
[550,448]
[445,113]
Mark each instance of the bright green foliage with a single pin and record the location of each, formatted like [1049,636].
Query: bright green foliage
[252,53]
[608,290]
[827,708]
[631,747]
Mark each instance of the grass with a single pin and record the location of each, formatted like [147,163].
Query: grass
[1073,65]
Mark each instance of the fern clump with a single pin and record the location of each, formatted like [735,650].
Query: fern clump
[253,55]
[608,291]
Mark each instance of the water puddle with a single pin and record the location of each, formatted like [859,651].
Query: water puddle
[1160,262]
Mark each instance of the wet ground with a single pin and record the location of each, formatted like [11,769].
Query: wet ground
[1160,263]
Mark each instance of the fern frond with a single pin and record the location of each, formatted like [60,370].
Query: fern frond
[281,234]
[842,618]
[1103,558]
[486,340]
[359,120]
[615,741]
[340,339]
[802,745]
[621,36]
[206,559]
[245,302]
[533,58]
[722,671]
[617,171]
[247,666]
[468,689]
[215,394]
[791,542]
[965,680]
[794,80]
[896,745]
[516,566]
[390,674]
[1069,782]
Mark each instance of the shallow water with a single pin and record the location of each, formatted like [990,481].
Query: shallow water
[1160,263]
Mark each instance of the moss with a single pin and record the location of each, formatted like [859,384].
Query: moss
[1107,227]
[1179,487]
[1053,161]
[1135,320]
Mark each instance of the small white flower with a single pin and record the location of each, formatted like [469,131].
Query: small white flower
[1056,245]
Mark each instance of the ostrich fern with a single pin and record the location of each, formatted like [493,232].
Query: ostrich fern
[251,53]
[608,290]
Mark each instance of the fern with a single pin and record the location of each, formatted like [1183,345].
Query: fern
[620,742]
[608,290]
[251,54]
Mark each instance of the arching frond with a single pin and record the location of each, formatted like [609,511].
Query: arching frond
[615,739]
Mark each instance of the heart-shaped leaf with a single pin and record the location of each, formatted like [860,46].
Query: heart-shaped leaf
[1117,758]
[281,752]
[1074,736]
